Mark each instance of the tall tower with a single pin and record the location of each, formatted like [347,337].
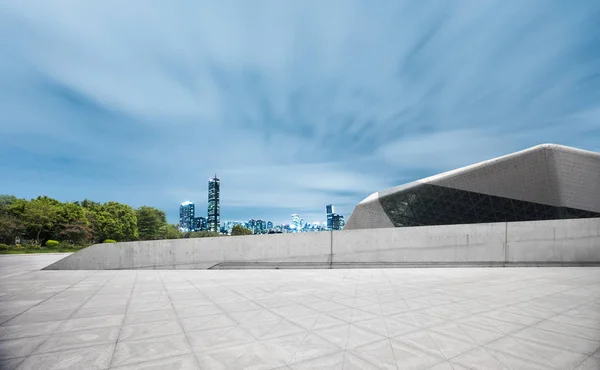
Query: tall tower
[186,216]
[329,210]
[214,209]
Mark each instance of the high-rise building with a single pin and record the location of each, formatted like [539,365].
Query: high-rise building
[261,227]
[199,224]
[252,225]
[186,216]
[329,210]
[214,208]
[337,222]
[296,222]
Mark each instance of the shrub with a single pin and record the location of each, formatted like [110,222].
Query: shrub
[201,234]
[240,230]
[65,245]
[52,243]
[109,241]
[4,247]
[33,247]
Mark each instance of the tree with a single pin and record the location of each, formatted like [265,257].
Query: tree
[6,201]
[150,220]
[10,228]
[240,230]
[116,221]
[72,224]
[10,225]
[40,215]
[169,232]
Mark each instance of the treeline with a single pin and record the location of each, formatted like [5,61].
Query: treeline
[82,223]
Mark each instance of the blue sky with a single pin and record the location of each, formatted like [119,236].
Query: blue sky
[294,104]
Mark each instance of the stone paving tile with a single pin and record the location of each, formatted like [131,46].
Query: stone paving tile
[92,358]
[77,339]
[437,319]
[185,362]
[11,348]
[136,351]
[149,330]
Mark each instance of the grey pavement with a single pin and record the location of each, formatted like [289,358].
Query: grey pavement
[426,318]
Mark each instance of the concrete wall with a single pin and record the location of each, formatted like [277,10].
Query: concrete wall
[451,244]
[563,242]
[201,253]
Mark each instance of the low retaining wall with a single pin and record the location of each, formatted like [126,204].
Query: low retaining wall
[556,242]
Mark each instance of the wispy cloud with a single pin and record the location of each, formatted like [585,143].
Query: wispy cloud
[293,104]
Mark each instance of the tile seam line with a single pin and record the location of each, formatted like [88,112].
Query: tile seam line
[112,357]
[149,361]
[185,335]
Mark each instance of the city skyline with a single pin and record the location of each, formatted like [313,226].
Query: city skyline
[294,110]
[188,217]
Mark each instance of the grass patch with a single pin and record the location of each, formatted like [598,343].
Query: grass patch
[26,250]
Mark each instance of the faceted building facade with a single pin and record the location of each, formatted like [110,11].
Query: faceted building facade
[546,182]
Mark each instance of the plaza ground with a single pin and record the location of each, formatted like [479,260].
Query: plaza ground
[422,318]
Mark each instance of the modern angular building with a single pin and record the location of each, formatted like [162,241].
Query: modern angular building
[214,208]
[545,182]
[186,216]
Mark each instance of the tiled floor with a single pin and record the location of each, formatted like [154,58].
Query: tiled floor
[439,319]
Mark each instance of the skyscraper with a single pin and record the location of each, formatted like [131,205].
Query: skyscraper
[186,216]
[337,222]
[329,210]
[199,224]
[214,209]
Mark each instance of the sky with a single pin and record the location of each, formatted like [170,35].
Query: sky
[293,104]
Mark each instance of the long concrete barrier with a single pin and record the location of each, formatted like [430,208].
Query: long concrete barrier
[556,242]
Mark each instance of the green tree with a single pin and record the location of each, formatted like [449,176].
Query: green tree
[72,224]
[150,220]
[240,230]
[40,216]
[10,228]
[169,232]
[6,201]
[116,221]
[10,225]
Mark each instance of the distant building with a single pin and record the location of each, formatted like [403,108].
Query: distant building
[186,216]
[337,222]
[329,210]
[261,227]
[214,208]
[252,225]
[297,222]
[199,224]
[269,225]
